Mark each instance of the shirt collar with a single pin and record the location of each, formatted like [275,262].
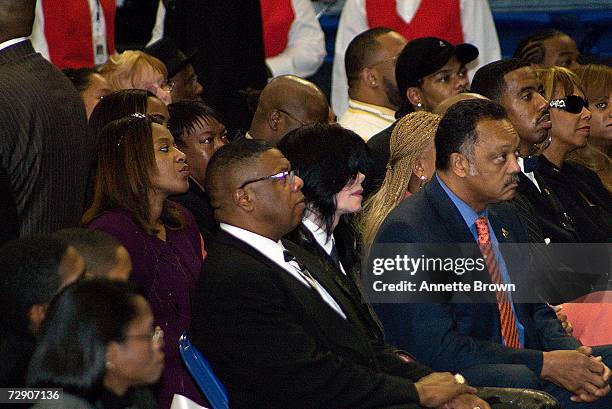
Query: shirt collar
[469,215]
[378,110]
[11,42]
[270,248]
[319,234]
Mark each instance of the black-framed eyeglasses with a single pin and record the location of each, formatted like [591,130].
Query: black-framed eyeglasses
[291,116]
[572,104]
[289,175]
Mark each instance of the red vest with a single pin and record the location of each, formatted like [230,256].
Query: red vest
[433,18]
[277,17]
[69,33]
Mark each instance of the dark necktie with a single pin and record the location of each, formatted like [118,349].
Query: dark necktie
[506,314]
[290,258]
[334,256]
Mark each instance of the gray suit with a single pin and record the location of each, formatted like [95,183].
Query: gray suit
[44,145]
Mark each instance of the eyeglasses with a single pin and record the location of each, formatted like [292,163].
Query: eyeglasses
[571,103]
[156,336]
[288,175]
[291,116]
[167,86]
[392,59]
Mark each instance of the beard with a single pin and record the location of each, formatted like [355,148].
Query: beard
[392,93]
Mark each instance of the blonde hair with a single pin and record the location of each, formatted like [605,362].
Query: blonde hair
[123,70]
[558,78]
[411,137]
[596,81]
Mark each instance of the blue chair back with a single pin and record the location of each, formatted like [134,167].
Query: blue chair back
[203,374]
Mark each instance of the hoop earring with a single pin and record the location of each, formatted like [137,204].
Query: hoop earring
[421,181]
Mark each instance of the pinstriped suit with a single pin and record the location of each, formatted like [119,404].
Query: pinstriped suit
[44,145]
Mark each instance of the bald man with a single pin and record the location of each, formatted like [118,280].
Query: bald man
[285,104]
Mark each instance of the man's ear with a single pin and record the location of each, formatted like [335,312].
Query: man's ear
[243,200]
[369,77]
[413,94]
[36,316]
[459,164]
[274,117]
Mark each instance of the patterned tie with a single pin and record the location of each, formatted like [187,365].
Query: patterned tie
[506,315]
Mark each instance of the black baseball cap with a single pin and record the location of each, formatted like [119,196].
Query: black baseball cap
[166,51]
[424,56]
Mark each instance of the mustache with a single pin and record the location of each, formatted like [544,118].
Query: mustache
[512,179]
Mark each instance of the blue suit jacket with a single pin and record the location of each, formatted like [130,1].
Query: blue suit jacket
[453,336]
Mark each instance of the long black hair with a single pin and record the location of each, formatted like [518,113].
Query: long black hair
[81,322]
[327,158]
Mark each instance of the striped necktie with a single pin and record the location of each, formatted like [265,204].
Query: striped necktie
[506,314]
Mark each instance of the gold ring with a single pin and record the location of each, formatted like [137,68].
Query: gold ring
[460,380]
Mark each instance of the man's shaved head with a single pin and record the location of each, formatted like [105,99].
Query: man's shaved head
[452,100]
[16,18]
[287,103]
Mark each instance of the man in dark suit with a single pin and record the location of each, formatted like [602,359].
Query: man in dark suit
[43,138]
[276,336]
[489,337]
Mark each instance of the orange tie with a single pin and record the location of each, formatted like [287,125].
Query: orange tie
[506,315]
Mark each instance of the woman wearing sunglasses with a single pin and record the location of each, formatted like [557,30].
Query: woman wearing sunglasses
[139,166]
[579,189]
[100,345]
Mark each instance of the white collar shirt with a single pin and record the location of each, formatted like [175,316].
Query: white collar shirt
[11,42]
[321,238]
[274,251]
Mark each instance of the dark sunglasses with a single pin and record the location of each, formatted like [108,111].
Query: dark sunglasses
[572,104]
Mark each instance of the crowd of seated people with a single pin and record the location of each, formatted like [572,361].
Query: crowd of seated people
[261,247]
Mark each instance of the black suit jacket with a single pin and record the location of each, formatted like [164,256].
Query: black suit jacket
[44,146]
[227,39]
[350,283]
[274,343]
[454,336]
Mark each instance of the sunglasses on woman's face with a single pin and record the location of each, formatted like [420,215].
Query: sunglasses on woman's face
[572,104]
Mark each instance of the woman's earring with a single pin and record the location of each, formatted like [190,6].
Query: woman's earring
[419,105]
[421,181]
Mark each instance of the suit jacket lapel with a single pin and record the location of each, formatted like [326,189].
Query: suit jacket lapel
[329,321]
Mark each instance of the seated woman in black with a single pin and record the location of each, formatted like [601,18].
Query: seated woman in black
[579,189]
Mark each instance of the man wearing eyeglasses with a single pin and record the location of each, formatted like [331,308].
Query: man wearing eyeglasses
[276,336]
[286,103]
[370,66]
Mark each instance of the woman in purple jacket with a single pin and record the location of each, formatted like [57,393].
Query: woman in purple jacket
[139,166]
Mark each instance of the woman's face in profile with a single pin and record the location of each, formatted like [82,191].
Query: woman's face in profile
[171,175]
[349,199]
[155,82]
[570,129]
[137,360]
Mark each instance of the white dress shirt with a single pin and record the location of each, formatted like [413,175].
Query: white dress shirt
[366,120]
[321,237]
[529,175]
[476,20]
[274,251]
[305,49]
